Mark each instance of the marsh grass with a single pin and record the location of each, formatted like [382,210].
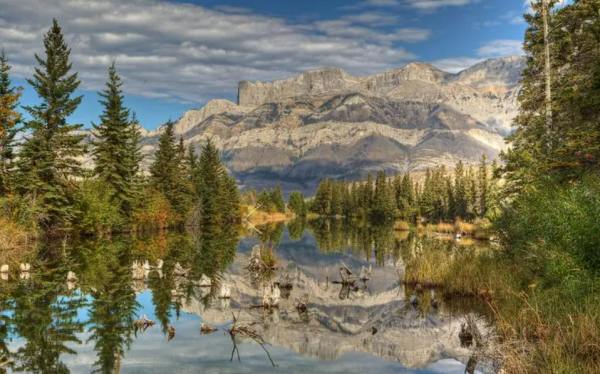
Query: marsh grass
[15,241]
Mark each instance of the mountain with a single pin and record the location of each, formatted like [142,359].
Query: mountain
[327,122]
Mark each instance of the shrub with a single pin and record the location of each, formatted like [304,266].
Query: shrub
[98,214]
[153,211]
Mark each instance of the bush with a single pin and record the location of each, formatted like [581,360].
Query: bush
[153,212]
[98,214]
[557,228]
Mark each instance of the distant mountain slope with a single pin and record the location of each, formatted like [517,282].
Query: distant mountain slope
[329,123]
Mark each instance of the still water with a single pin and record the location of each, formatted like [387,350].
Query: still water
[91,323]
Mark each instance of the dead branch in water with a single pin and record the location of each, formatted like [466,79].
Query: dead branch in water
[244,331]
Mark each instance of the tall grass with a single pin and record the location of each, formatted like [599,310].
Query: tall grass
[552,323]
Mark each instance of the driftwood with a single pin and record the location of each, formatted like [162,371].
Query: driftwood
[242,330]
[179,271]
[225,292]
[137,271]
[347,275]
[4,363]
[302,303]
[171,333]
[207,329]
[365,274]
[71,277]
[271,297]
[142,324]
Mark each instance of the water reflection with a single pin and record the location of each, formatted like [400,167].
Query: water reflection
[332,300]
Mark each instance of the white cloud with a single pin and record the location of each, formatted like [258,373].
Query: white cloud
[191,53]
[455,65]
[501,48]
[435,4]
[373,4]
[372,18]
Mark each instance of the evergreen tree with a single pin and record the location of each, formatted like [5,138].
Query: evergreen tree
[264,201]
[10,118]
[47,159]
[276,197]
[322,201]
[460,191]
[164,170]
[219,196]
[336,207]
[297,204]
[112,150]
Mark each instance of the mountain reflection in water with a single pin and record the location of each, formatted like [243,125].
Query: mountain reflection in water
[49,325]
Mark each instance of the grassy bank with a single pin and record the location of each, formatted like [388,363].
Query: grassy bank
[542,282]
[258,217]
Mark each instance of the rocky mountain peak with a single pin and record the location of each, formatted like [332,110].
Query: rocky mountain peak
[504,71]
[195,116]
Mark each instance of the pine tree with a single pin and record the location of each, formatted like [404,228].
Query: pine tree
[219,197]
[297,204]
[213,173]
[276,197]
[181,195]
[112,150]
[336,208]
[134,155]
[47,159]
[10,119]
[164,170]
[264,201]
[460,191]
[322,201]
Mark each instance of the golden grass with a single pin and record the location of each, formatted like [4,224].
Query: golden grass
[441,227]
[543,333]
[464,228]
[257,217]
[15,241]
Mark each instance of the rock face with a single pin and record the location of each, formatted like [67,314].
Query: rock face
[329,123]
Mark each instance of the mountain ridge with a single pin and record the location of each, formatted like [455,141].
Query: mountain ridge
[327,122]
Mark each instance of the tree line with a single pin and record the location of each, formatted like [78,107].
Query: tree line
[42,180]
[467,193]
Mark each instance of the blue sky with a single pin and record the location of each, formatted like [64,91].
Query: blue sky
[176,55]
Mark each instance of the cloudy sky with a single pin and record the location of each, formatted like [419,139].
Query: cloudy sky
[176,55]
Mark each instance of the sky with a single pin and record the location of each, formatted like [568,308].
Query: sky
[177,55]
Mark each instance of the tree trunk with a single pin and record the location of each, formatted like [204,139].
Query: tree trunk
[547,71]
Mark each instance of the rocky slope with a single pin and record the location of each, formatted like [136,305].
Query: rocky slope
[329,123]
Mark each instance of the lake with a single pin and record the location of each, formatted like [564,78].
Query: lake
[92,323]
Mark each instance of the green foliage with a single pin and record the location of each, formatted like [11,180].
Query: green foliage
[219,197]
[555,220]
[563,143]
[297,204]
[277,200]
[114,151]
[97,211]
[47,159]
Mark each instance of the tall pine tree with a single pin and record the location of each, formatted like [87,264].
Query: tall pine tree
[112,150]
[48,158]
